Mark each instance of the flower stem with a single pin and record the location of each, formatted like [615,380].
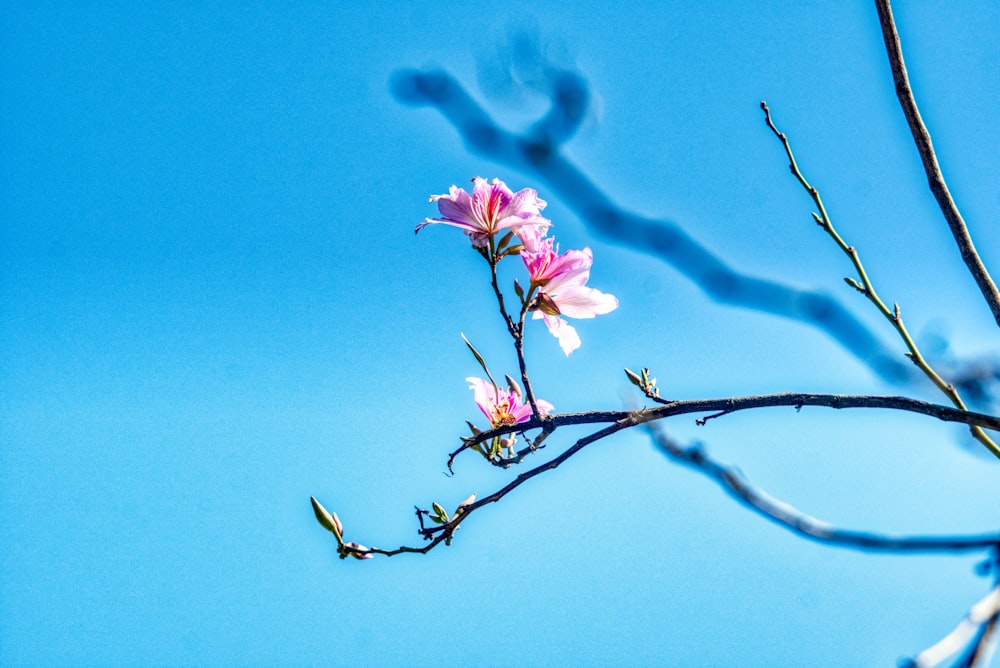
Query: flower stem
[516,329]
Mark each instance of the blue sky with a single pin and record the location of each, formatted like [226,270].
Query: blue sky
[212,306]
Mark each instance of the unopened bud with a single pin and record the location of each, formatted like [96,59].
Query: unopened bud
[505,239]
[633,377]
[358,546]
[464,504]
[514,387]
[440,515]
[329,522]
[514,250]
[546,304]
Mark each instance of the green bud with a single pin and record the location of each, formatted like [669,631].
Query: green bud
[633,377]
[514,250]
[328,521]
[505,239]
[439,512]
[854,284]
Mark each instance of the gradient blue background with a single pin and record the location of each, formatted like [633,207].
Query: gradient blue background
[212,306]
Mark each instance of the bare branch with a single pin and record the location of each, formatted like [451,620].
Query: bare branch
[866,288]
[935,179]
[723,406]
[982,617]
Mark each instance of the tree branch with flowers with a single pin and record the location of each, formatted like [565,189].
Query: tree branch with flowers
[501,224]
[505,225]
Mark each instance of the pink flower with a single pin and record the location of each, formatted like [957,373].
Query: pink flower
[490,208]
[561,280]
[503,407]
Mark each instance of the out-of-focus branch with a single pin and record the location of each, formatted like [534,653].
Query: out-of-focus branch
[747,494]
[935,179]
[866,288]
[538,151]
[976,631]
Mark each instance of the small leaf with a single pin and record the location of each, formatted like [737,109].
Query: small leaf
[633,377]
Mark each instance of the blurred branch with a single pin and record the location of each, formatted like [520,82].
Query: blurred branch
[740,488]
[977,631]
[538,151]
[935,179]
[866,288]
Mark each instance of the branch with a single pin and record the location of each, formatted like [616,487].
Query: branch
[538,151]
[866,288]
[740,488]
[982,617]
[728,405]
[731,478]
[935,179]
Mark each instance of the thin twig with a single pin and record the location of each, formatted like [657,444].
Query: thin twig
[866,288]
[935,179]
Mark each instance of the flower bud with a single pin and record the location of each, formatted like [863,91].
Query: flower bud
[357,546]
[546,304]
[467,502]
[329,522]
[514,387]
[440,515]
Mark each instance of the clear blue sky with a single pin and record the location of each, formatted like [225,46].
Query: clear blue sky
[213,305]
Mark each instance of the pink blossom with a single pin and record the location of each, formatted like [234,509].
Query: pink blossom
[561,281]
[503,407]
[490,208]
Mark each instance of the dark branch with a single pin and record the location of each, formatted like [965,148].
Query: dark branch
[733,404]
[935,179]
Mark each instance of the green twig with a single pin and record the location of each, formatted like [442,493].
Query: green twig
[866,288]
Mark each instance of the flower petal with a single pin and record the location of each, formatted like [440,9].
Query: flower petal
[583,302]
[559,328]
